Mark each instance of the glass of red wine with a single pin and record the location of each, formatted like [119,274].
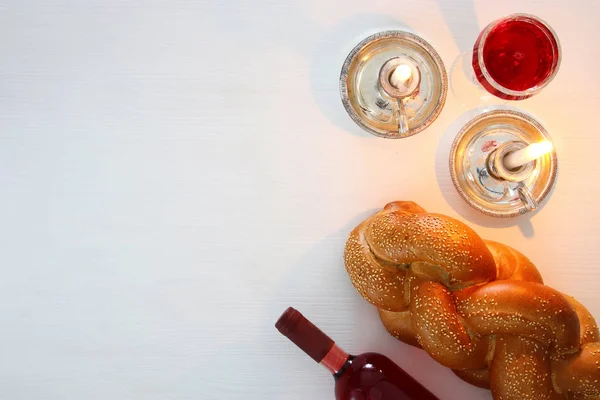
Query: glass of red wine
[514,58]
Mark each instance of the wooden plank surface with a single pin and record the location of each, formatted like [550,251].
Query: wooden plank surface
[175,173]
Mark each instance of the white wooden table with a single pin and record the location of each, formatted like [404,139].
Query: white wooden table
[175,173]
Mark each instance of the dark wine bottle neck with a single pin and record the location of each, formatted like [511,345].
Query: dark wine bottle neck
[310,339]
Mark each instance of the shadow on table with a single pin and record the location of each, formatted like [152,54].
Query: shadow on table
[461,18]
[319,287]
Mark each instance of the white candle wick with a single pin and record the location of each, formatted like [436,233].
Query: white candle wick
[528,154]
[401,76]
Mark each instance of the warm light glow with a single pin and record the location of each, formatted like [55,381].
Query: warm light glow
[400,76]
[528,154]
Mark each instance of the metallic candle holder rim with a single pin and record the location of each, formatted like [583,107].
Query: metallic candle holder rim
[385,35]
[496,167]
[511,114]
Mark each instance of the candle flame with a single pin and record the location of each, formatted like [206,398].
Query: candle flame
[401,75]
[536,150]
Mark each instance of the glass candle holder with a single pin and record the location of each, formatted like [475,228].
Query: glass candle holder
[393,84]
[478,168]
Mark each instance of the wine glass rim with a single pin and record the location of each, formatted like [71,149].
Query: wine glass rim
[497,86]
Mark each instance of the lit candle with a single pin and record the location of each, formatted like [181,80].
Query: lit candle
[527,155]
[401,76]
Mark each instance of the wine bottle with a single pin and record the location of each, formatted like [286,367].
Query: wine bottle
[368,376]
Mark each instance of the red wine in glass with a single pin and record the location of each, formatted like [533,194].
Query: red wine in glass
[368,376]
[515,57]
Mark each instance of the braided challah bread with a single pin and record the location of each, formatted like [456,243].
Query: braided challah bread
[478,307]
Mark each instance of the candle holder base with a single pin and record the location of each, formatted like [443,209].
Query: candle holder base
[480,178]
[375,109]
